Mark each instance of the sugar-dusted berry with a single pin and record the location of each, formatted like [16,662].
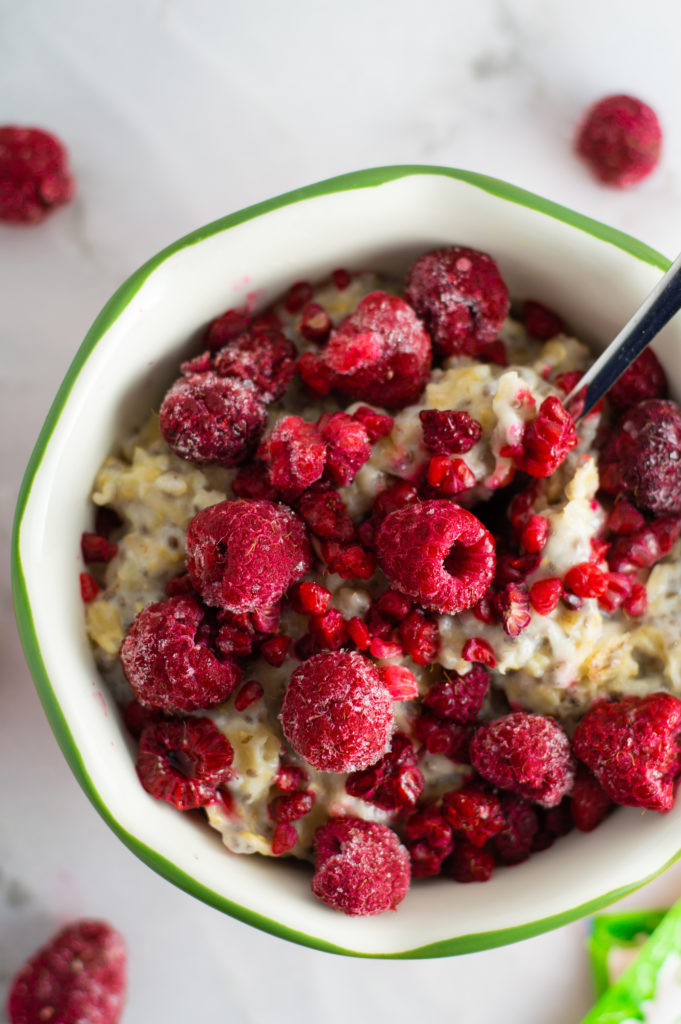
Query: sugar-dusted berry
[347,446]
[647,447]
[473,813]
[449,432]
[620,138]
[34,174]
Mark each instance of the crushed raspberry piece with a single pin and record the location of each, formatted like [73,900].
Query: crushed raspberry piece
[637,602]
[617,590]
[541,322]
[547,439]
[227,327]
[376,424]
[96,549]
[359,633]
[589,803]
[468,863]
[429,840]
[265,357]
[341,278]
[350,561]
[459,698]
[379,624]
[107,521]
[235,636]
[586,580]
[79,975]
[337,713]
[184,761]
[305,647]
[206,418]
[315,373]
[477,649]
[513,607]
[34,174]
[315,323]
[394,783]
[643,380]
[380,648]
[514,843]
[275,649]
[136,717]
[242,555]
[476,815]
[284,838]
[647,447]
[567,380]
[514,568]
[168,662]
[646,547]
[449,476]
[620,138]
[297,296]
[290,777]
[443,736]
[294,454]
[545,594]
[247,694]
[400,682]
[460,296]
[347,446]
[291,806]
[361,867]
[89,588]
[437,553]
[624,519]
[420,637]
[631,746]
[252,481]
[526,753]
[449,432]
[266,619]
[380,354]
[535,534]
[310,598]
[326,515]
[394,605]
[329,631]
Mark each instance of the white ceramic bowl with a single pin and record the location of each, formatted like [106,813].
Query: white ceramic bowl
[379,218]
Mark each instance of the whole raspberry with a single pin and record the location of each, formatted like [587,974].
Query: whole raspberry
[168,662]
[449,432]
[527,754]
[460,296]
[589,803]
[34,174]
[294,454]
[547,439]
[206,418]
[347,446]
[514,842]
[459,698]
[379,354]
[80,975]
[244,555]
[394,783]
[476,815]
[266,357]
[648,451]
[469,863]
[437,553]
[184,761]
[337,713]
[632,748]
[620,138]
[361,867]
[643,380]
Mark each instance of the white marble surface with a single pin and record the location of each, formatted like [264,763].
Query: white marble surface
[177,113]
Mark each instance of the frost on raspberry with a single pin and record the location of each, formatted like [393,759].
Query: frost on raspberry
[337,713]
[437,553]
[34,174]
[294,453]
[80,975]
[379,354]
[206,418]
[527,754]
[473,813]
[184,761]
[169,662]
[620,138]
[448,432]
[347,446]
[643,380]
[265,357]
[632,747]
[244,555]
[326,515]
[645,451]
[547,439]
[458,697]
[361,867]
[460,296]
[394,783]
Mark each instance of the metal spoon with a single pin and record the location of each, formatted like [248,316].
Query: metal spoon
[648,320]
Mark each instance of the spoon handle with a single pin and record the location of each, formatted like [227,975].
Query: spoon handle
[648,320]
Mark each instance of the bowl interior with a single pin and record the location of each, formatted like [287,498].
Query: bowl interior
[594,277]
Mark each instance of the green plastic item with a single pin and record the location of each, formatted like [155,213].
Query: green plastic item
[628,930]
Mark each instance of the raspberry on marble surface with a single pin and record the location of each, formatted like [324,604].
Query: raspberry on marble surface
[168,660]
[183,761]
[460,296]
[458,697]
[644,379]
[34,174]
[437,553]
[547,439]
[361,868]
[80,975]
[620,138]
[347,446]
[295,454]
[525,753]
[337,713]
[244,555]
[449,432]
[632,747]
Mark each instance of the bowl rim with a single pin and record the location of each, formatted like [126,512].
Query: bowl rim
[369,178]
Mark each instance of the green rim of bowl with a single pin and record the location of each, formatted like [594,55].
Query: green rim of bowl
[111,311]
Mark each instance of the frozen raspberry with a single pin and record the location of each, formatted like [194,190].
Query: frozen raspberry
[347,446]
[589,802]
[444,736]
[527,754]
[618,589]
[89,588]
[399,680]
[637,602]
[449,432]
[184,761]
[468,863]
[476,815]
[449,476]
[275,649]
[429,840]
[310,598]
[586,580]
[168,662]
[315,323]
[438,554]
[624,519]
[512,605]
[350,561]
[226,328]
[380,354]
[253,481]
[514,843]
[647,447]
[248,694]
[206,418]
[547,439]
[297,296]
[294,454]
[79,976]
[341,278]
[291,806]
[96,549]
[643,380]
[337,712]
[359,633]
[631,746]
[420,637]
[620,138]
[535,534]
[284,838]
[361,867]
[376,424]
[460,296]
[244,555]
[267,358]
[645,547]
[545,595]
[394,783]
[459,698]
[34,174]
[290,777]
[394,605]
[326,515]
[479,650]
[541,322]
